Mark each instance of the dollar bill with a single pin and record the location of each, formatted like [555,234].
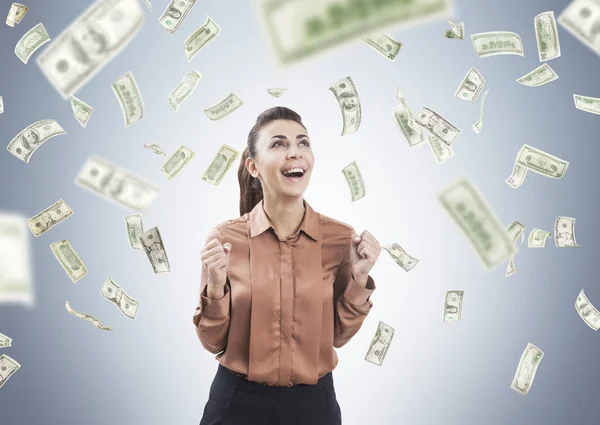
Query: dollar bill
[470,86]
[224,107]
[148,4]
[510,267]
[355,181]
[220,164]
[5,341]
[199,38]
[1,105]
[538,161]
[69,260]
[497,43]
[440,150]
[580,18]
[176,162]
[384,45]
[92,319]
[115,184]
[514,230]
[453,306]
[586,310]
[89,43]
[479,124]
[400,256]
[539,76]
[16,13]
[437,125]
[564,232]
[546,36]
[175,13]
[112,292]
[155,149]
[129,97]
[587,103]
[456,31]
[301,29]
[15,261]
[528,364]
[24,144]
[277,92]
[347,97]
[8,367]
[81,110]
[380,344]
[478,222]
[537,238]
[155,250]
[48,218]
[184,89]
[135,229]
[31,41]
[404,118]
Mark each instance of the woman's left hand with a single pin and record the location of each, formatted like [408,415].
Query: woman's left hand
[363,254]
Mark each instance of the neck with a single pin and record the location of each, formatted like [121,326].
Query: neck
[285,215]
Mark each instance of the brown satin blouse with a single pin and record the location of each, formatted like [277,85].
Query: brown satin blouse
[287,303]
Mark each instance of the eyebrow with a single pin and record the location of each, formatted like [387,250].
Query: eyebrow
[281,136]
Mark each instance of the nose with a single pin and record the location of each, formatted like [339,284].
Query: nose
[292,154]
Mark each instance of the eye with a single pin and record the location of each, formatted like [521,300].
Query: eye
[277,142]
[305,141]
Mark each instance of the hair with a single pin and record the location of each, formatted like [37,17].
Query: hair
[251,192]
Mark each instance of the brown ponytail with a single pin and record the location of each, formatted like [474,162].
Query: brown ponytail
[251,192]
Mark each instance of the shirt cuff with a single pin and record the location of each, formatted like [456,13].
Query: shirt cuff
[214,309]
[356,293]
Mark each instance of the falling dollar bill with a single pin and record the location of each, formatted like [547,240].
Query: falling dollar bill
[129,97]
[478,222]
[537,238]
[564,232]
[405,121]
[112,292]
[497,43]
[380,344]
[589,313]
[24,144]
[184,89]
[16,13]
[347,97]
[355,181]
[5,341]
[115,184]
[471,85]
[546,36]
[48,218]
[479,124]
[31,41]
[69,260]
[456,31]
[400,256]
[199,38]
[176,162]
[440,150]
[541,75]
[453,306]
[220,164]
[224,107]
[528,364]
[8,367]
[89,43]
[580,18]
[384,44]
[153,245]
[81,110]
[514,230]
[15,260]
[1,105]
[135,229]
[175,14]
[587,103]
[276,92]
[87,317]
[155,149]
[538,161]
[148,4]
[437,125]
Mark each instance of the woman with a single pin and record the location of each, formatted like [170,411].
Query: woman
[281,286]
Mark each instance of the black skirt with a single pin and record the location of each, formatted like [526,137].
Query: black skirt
[234,400]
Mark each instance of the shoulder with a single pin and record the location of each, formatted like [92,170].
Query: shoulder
[335,232]
[229,229]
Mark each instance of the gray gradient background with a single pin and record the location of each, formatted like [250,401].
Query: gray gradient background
[154,370]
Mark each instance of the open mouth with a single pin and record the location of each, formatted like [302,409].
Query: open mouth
[295,175]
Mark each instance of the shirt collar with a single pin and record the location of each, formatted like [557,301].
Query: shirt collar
[259,222]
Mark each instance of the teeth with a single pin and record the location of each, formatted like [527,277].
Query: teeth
[293,170]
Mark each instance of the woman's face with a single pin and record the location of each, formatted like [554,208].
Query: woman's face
[282,144]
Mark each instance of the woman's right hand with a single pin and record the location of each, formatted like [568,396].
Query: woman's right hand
[216,259]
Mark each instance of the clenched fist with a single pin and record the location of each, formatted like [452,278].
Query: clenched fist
[216,259]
